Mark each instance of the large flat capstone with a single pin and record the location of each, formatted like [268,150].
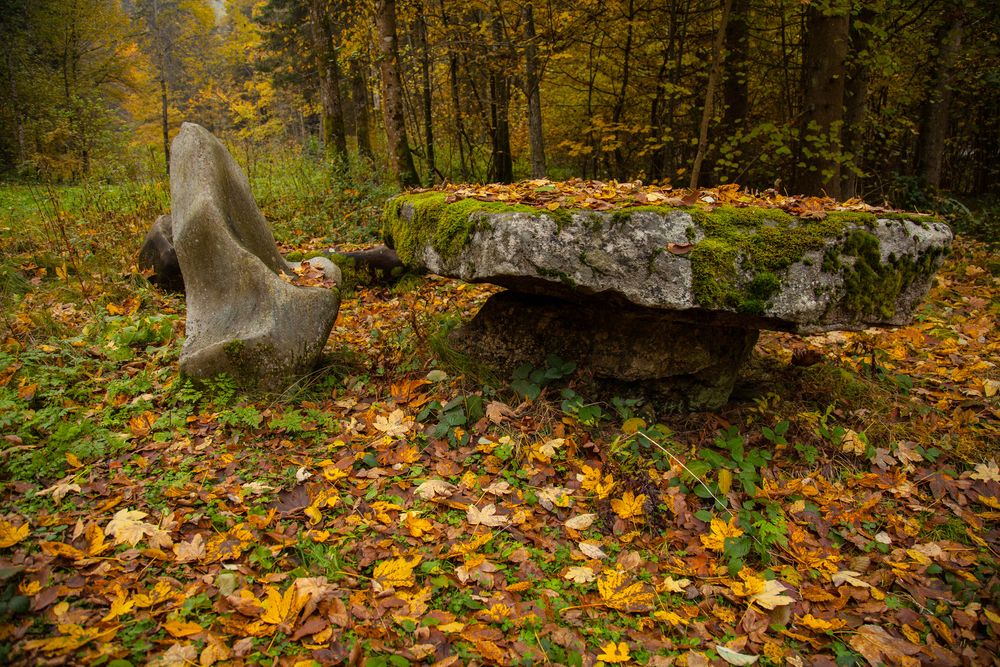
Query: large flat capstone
[679,293]
[243,318]
[754,267]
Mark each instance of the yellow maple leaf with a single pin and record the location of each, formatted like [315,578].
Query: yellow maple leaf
[11,534]
[228,545]
[72,637]
[591,480]
[719,530]
[282,608]
[612,652]
[395,573]
[629,506]
[127,527]
[95,540]
[120,605]
[416,526]
[618,593]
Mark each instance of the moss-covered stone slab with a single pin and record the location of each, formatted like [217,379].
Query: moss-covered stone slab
[751,267]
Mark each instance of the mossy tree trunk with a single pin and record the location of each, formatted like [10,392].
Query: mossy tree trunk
[360,97]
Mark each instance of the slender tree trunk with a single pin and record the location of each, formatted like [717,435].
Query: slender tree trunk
[532,90]
[934,114]
[392,94]
[856,100]
[325,50]
[360,98]
[426,101]
[619,110]
[735,83]
[823,71]
[657,158]
[713,81]
[15,105]
[503,165]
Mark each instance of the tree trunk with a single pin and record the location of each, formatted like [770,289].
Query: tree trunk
[359,95]
[619,110]
[735,85]
[713,81]
[325,50]
[15,108]
[165,120]
[823,71]
[532,90]
[426,100]
[392,94]
[502,164]
[856,100]
[934,114]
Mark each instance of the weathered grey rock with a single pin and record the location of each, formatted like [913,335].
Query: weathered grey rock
[758,268]
[243,319]
[158,255]
[330,270]
[640,350]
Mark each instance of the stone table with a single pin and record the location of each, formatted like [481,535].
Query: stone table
[665,298]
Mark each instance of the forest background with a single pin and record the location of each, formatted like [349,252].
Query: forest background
[885,100]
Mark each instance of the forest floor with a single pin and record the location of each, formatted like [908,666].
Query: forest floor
[399,509]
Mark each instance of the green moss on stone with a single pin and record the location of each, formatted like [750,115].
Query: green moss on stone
[234,347]
[446,226]
[872,286]
[737,264]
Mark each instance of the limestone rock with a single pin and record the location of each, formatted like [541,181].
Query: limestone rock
[243,318]
[158,255]
[751,267]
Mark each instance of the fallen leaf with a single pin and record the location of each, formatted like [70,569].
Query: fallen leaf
[734,658]
[11,534]
[591,550]
[613,653]
[618,592]
[879,647]
[395,573]
[581,521]
[433,488]
[579,574]
[774,595]
[486,516]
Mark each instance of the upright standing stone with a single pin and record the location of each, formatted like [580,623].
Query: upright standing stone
[243,318]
